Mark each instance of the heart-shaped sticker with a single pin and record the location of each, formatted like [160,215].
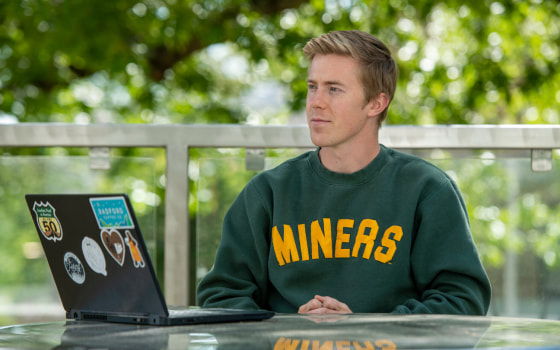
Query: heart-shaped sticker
[114,244]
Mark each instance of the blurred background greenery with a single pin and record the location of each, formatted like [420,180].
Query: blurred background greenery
[234,61]
[215,61]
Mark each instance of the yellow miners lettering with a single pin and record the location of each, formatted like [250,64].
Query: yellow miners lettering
[312,344]
[351,240]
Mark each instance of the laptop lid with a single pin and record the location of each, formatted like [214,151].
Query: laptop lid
[100,264]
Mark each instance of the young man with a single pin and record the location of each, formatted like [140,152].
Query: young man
[352,226]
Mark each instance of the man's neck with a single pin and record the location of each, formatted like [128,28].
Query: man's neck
[348,160]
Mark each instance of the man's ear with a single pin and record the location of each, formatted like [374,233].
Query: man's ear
[378,104]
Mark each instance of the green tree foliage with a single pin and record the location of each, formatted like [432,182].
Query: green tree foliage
[194,61]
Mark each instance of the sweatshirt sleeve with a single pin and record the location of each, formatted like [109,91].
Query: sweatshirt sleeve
[239,276]
[446,268]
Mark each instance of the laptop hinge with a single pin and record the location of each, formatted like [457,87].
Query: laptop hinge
[152,319]
[91,316]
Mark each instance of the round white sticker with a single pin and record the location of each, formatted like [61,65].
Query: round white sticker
[94,256]
[74,268]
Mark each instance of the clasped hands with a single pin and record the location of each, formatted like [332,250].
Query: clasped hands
[324,305]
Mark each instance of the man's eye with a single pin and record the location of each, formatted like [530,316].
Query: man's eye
[335,89]
[311,87]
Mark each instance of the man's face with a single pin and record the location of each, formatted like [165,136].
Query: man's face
[336,107]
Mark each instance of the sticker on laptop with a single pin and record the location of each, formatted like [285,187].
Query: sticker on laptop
[94,256]
[134,250]
[74,268]
[114,244]
[48,222]
[111,212]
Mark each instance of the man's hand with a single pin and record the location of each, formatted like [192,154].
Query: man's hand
[324,305]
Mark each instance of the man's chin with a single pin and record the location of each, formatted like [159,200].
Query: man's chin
[317,140]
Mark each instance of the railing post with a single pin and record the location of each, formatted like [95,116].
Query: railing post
[177,233]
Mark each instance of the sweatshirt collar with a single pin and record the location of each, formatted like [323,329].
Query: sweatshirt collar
[360,176]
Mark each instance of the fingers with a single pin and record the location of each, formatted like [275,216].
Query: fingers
[324,305]
[335,305]
[311,305]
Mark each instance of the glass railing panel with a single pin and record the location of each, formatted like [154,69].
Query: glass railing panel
[515,220]
[514,213]
[27,290]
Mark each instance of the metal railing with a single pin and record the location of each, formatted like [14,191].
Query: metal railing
[177,139]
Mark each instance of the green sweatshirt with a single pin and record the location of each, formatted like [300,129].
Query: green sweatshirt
[392,237]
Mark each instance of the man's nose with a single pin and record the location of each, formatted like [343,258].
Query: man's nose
[316,99]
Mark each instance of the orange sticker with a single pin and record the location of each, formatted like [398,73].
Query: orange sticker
[134,250]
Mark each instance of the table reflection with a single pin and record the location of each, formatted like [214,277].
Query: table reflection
[295,332]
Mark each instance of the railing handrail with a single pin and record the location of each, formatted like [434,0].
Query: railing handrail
[273,136]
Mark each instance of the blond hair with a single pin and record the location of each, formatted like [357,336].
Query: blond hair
[379,72]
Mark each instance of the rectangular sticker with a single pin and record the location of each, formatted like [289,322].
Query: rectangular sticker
[111,212]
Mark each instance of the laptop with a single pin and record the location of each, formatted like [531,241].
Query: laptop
[101,266]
